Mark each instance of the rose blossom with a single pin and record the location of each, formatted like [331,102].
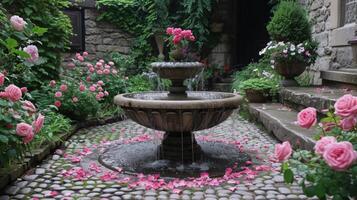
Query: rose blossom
[38,123]
[100,83]
[23,89]
[85,53]
[33,51]
[57,104]
[2,79]
[99,64]
[106,71]
[307,117]
[340,156]
[75,99]
[192,38]
[106,93]
[92,88]
[82,88]
[114,71]
[282,151]
[71,65]
[101,94]
[52,83]
[28,105]
[348,123]
[28,138]
[346,106]
[177,39]
[17,23]
[91,70]
[321,145]
[177,31]
[102,61]
[63,87]
[58,94]
[100,72]
[23,129]
[88,78]
[13,93]
[107,66]
[111,63]
[80,58]
[170,30]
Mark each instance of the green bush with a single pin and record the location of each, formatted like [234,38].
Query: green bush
[261,84]
[139,83]
[290,23]
[47,14]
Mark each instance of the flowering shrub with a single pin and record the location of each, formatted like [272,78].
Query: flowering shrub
[282,52]
[331,169]
[19,50]
[19,122]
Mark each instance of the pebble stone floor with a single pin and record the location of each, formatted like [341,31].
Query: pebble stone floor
[39,183]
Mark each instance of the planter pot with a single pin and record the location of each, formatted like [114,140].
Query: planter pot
[177,54]
[159,39]
[289,70]
[353,44]
[257,96]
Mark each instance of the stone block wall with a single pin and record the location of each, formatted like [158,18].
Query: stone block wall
[334,24]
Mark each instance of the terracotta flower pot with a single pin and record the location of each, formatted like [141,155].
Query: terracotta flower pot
[257,96]
[289,70]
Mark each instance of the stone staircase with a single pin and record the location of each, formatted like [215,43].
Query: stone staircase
[279,118]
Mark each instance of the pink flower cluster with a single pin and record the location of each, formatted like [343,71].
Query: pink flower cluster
[180,34]
[338,155]
[14,94]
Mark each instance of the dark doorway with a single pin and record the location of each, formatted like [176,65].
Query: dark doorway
[249,20]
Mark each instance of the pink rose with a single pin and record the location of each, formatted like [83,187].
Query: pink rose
[92,88]
[100,72]
[101,94]
[100,83]
[91,70]
[177,31]
[13,93]
[88,78]
[2,79]
[346,106]
[58,94]
[99,64]
[107,66]
[82,88]
[28,105]
[170,31]
[57,104]
[63,87]
[106,71]
[52,83]
[114,71]
[328,126]
[33,52]
[307,117]
[80,58]
[282,151]
[75,99]
[340,156]
[85,53]
[186,34]
[89,65]
[192,38]
[348,123]
[177,39]
[106,93]
[28,138]
[100,89]
[38,123]
[321,145]
[23,129]
[23,89]
[17,23]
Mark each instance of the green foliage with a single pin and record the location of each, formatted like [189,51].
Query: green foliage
[258,84]
[54,42]
[290,23]
[139,83]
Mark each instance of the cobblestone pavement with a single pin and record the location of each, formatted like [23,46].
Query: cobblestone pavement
[48,181]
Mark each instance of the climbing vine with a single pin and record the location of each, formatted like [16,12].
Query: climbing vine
[144,18]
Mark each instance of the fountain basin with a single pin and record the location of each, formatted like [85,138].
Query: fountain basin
[197,111]
[177,70]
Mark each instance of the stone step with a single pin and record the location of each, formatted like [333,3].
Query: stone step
[279,120]
[344,77]
[320,98]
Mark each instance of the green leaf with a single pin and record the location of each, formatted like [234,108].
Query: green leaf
[39,31]
[288,176]
[354,170]
[4,139]
[11,43]
[22,54]
[309,191]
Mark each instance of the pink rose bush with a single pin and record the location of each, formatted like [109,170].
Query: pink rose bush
[19,122]
[331,168]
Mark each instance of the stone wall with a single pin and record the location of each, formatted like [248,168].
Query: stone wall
[100,37]
[332,28]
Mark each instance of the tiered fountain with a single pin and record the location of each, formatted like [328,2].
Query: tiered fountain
[178,113]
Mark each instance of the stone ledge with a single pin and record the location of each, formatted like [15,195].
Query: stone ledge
[318,97]
[279,121]
[346,76]
[39,154]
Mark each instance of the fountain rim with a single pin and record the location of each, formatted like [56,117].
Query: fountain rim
[232,101]
[177,65]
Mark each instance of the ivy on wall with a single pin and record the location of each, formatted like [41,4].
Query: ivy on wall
[144,18]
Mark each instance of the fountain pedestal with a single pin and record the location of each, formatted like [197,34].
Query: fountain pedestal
[180,146]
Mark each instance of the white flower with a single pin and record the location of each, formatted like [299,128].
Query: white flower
[293,53]
[285,51]
[266,74]
[281,44]
[254,70]
[301,50]
[262,51]
[269,43]
[299,45]
[292,47]
[272,61]
[272,66]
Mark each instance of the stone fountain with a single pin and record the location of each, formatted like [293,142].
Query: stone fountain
[178,113]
